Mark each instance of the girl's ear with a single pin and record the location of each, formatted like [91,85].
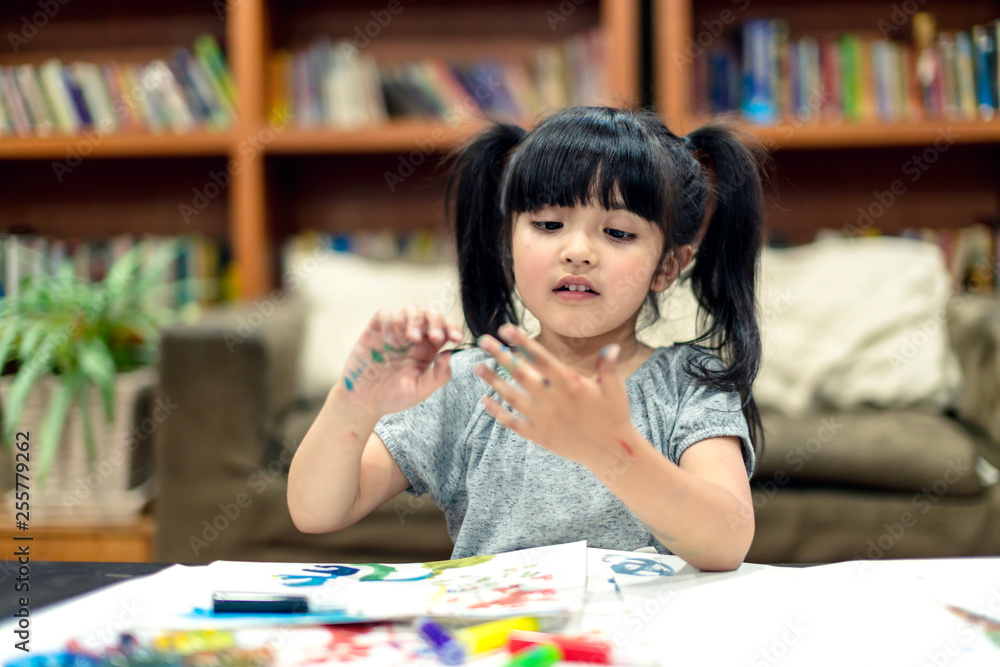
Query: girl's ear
[672,266]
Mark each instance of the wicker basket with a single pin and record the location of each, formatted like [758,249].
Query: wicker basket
[77,489]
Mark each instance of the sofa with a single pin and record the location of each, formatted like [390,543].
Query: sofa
[865,478]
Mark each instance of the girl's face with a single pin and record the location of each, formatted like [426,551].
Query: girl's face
[614,251]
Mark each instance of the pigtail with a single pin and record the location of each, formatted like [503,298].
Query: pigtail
[476,219]
[724,275]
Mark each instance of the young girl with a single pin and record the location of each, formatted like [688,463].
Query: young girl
[582,432]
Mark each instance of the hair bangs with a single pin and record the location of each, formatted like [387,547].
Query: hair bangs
[587,157]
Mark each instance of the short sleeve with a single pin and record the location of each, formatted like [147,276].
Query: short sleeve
[426,442]
[705,412]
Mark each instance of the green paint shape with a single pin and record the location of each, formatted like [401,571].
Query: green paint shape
[441,565]
[377,357]
[381,572]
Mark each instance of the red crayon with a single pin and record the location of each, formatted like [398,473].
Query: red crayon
[574,650]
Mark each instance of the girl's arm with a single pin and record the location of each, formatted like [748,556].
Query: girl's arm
[701,510]
[341,470]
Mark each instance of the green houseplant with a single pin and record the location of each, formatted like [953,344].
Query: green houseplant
[83,334]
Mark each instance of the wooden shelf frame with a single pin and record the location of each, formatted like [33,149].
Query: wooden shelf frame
[846,176]
[247,144]
[675,43]
[252,147]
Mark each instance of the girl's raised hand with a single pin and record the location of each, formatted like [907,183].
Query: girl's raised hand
[395,364]
[587,421]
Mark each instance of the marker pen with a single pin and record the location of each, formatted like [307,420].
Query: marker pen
[259,603]
[448,650]
[542,655]
[492,635]
[574,650]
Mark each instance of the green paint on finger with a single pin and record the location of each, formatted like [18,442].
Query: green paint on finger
[377,356]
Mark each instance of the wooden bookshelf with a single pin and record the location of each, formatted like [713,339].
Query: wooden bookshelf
[262,205]
[332,179]
[826,175]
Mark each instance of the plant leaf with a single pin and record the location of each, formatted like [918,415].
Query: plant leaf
[55,422]
[10,331]
[163,256]
[83,390]
[33,333]
[98,366]
[20,385]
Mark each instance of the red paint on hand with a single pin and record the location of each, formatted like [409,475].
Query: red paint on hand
[628,450]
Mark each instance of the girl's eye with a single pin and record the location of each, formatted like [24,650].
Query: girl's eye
[627,236]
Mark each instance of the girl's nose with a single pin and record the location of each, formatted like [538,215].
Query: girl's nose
[578,251]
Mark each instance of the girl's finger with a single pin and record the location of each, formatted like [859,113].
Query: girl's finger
[517,424]
[547,366]
[435,327]
[608,374]
[414,324]
[384,323]
[515,398]
[514,364]
[399,326]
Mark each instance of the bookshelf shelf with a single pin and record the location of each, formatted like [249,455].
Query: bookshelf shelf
[396,136]
[791,135]
[116,145]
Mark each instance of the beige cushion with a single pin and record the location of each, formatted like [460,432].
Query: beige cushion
[894,450]
[845,323]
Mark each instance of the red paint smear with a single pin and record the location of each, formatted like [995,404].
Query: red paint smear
[628,450]
[544,577]
[516,597]
[344,645]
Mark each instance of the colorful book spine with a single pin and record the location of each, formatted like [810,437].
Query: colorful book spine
[207,50]
[986,63]
[966,76]
[70,98]
[758,103]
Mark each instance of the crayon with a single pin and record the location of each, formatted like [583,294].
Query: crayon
[574,650]
[542,655]
[448,650]
[492,635]
[192,641]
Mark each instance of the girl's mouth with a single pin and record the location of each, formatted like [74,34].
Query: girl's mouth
[567,295]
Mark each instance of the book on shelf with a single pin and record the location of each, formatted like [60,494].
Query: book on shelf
[33,257]
[192,89]
[334,84]
[937,74]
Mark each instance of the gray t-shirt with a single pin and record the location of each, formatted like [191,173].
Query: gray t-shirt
[501,492]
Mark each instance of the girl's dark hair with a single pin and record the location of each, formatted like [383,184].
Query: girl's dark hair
[621,157]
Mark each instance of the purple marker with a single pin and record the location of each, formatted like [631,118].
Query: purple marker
[447,648]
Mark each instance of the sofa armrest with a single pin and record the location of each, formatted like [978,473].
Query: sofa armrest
[974,327]
[225,380]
